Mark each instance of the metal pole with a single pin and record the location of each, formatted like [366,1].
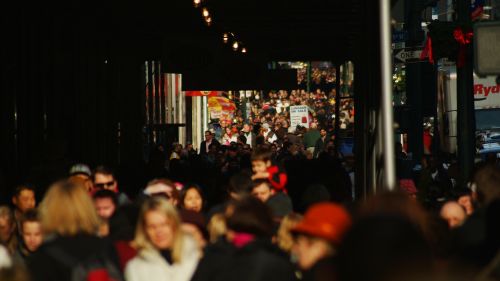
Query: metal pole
[386,95]
[465,103]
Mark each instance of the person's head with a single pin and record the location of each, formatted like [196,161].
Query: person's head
[465,200]
[104,178]
[208,136]
[240,185]
[246,128]
[191,198]
[67,210]
[7,224]
[217,227]
[261,160]
[487,183]
[262,190]
[322,132]
[105,202]
[319,233]
[285,238]
[453,213]
[249,215]
[31,230]
[163,187]
[24,198]
[80,170]
[158,227]
[85,182]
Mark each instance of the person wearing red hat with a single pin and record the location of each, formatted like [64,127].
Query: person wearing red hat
[316,238]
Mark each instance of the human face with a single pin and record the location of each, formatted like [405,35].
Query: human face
[309,251]
[246,128]
[262,192]
[323,133]
[193,200]
[105,207]
[103,181]
[25,200]
[159,229]
[32,235]
[259,166]
[6,229]
[466,202]
[208,136]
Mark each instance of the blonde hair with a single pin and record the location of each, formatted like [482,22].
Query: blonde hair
[142,242]
[284,237]
[217,227]
[67,210]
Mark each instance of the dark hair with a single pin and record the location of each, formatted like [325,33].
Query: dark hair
[242,138]
[252,216]
[102,170]
[241,183]
[184,191]
[262,154]
[21,187]
[487,180]
[30,216]
[104,193]
[259,182]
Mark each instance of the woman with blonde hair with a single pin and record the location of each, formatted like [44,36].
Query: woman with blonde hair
[70,225]
[165,251]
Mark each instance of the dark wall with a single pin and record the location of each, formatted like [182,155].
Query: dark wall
[70,79]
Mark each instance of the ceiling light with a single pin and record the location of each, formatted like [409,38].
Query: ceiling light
[205,12]
[225,37]
[208,20]
[244,50]
[235,45]
[196,3]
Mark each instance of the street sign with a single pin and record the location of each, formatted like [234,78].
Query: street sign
[408,55]
[399,36]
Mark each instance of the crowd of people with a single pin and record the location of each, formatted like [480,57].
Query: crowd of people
[263,227]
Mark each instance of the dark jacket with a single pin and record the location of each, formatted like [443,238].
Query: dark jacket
[203,146]
[322,270]
[320,146]
[44,266]
[259,260]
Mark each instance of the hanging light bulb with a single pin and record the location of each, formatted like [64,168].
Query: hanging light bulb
[225,37]
[196,3]
[208,20]
[235,45]
[205,13]
[244,50]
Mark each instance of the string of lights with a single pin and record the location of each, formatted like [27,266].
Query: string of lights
[227,37]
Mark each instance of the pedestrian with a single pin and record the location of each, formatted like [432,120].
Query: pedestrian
[165,252]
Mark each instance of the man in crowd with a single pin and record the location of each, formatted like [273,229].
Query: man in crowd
[31,234]
[23,200]
[311,137]
[262,190]
[205,145]
[269,135]
[7,229]
[453,213]
[249,135]
[320,143]
[105,204]
[104,178]
[317,237]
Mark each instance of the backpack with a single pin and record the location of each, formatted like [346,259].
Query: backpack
[96,267]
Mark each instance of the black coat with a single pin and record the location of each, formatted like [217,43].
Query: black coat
[203,146]
[43,266]
[259,260]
